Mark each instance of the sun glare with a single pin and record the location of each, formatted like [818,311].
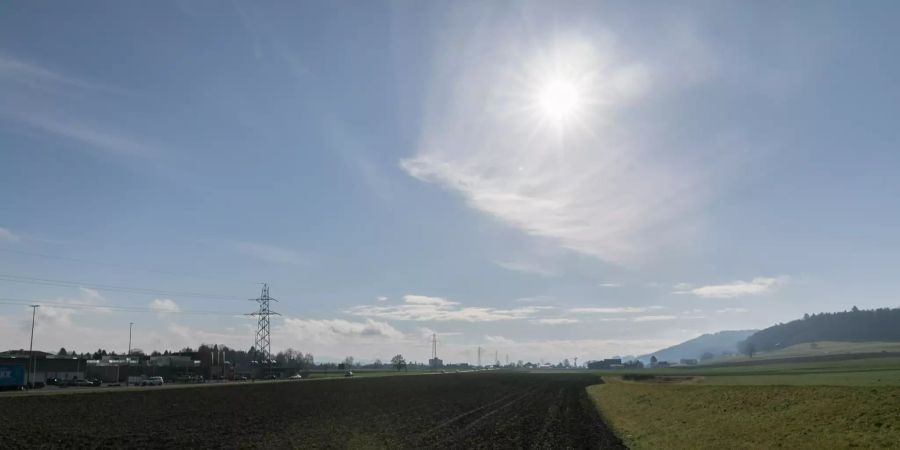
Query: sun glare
[558,99]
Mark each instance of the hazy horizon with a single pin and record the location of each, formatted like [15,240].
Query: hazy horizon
[546,180]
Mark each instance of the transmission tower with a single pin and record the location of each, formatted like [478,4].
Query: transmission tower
[263,343]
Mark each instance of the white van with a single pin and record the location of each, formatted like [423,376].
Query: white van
[153,381]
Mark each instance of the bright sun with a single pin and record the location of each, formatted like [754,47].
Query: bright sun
[558,99]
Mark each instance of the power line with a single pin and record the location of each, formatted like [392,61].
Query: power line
[112,288]
[24,302]
[121,266]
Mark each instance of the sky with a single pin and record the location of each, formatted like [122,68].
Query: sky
[545,180]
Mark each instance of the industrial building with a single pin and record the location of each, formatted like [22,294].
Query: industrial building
[38,367]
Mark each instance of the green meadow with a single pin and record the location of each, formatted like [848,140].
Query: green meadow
[827,404]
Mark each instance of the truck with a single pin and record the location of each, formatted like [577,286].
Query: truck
[12,376]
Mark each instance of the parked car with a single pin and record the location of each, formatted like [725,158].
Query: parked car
[348,374]
[153,381]
[295,377]
[53,381]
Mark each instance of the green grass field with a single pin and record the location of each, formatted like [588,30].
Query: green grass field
[828,404]
[815,349]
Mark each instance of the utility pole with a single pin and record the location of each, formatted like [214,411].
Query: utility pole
[479,356]
[576,362]
[496,361]
[128,356]
[31,348]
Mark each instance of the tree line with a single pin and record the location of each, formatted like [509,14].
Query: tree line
[856,325]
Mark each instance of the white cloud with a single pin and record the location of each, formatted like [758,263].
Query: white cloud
[269,253]
[88,302]
[555,321]
[164,305]
[55,316]
[732,310]
[610,285]
[498,340]
[653,318]
[424,308]
[426,333]
[525,267]
[536,299]
[381,298]
[756,286]
[592,185]
[337,330]
[8,236]
[683,286]
[614,309]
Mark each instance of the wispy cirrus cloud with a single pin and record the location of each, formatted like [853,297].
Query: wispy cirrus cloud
[92,137]
[269,253]
[7,235]
[591,185]
[652,318]
[756,286]
[27,72]
[23,108]
[424,308]
[732,311]
[526,267]
[555,321]
[614,309]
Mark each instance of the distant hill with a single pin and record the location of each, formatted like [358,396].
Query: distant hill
[714,343]
[849,326]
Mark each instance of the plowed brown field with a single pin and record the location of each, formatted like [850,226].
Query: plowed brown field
[467,410]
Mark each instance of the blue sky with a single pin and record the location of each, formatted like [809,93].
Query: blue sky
[398,169]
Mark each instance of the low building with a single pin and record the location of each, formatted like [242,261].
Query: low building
[41,366]
[436,363]
[173,361]
[688,361]
[609,363]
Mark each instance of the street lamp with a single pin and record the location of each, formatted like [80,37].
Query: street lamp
[128,356]
[31,348]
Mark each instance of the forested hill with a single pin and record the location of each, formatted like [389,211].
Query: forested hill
[856,325]
[702,347]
